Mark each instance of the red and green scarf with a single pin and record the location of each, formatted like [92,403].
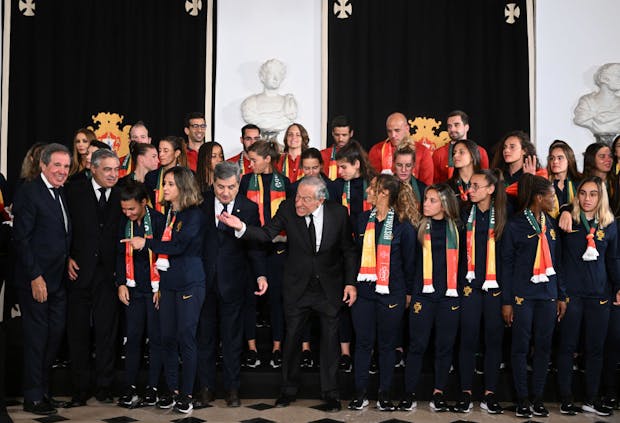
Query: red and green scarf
[570,187]
[277,193]
[591,253]
[416,189]
[162,262]
[159,192]
[450,159]
[129,269]
[333,165]
[452,254]
[375,264]
[288,166]
[543,266]
[346,196]
[490,281]
[126,166]
[463,188]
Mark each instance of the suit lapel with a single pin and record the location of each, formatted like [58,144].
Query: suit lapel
[51,201]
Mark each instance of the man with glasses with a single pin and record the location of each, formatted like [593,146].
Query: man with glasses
[250,133]
[195,128]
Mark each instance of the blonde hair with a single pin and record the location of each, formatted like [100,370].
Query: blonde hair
[603,213]
[448,203]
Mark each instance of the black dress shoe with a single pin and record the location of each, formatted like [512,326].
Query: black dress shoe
[332,405]
[284,401]
[76,401]
[54,402]
[104,395]
[203,398]
[41,408]
[232,399]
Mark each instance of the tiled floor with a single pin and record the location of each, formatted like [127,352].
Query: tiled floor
[262,411]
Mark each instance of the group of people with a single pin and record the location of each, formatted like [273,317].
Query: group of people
[392,249]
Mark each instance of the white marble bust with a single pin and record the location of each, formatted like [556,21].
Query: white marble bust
[269,110]
[600,111]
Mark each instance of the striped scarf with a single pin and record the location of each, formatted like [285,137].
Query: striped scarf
[387,154]
[591,254]
[375,264]
[490,281]
[463,188]
[543,266]
[129,269]
[159,192]
[452,253]
[288,166]
[162,262]
[346,196]
[333,165]
[416,189]
[570,190]
[277,193]
[450,159]
[126,166]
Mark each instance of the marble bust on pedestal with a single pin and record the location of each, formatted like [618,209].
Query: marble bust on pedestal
[270,111]
[599,111]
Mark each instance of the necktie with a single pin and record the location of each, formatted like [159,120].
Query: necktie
[56,192]
[312,233]
[102,201]
[220,225]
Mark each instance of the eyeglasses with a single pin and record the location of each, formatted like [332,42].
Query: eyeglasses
[198,125]
[476,187]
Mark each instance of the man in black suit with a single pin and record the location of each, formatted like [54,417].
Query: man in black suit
[321,265]
[41,232]
[94,207]
[229,264]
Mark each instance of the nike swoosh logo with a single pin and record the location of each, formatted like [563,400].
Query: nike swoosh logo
[603,302]
[497,294]
[392,305]
[280,251]
[455,308]
[187,297]
[531,236]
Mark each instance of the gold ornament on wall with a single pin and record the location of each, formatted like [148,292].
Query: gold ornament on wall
[424,130]
[110,132]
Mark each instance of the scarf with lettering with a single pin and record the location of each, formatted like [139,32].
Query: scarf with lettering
[162,262]
[591,253]
[543,266]
[277,193]
[490,280]
[346,196]
[333,165]
[129,269]
[159,192]
[375,264]
[288,166]
[452,253]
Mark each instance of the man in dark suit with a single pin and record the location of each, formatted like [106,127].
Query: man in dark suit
[229,263]
[320,267]
[41,231]
[94,207]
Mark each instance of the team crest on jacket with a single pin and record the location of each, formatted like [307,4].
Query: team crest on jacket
[179,226]
[552,233]
[467,291]
[417,307]
[600,234]
[518,300]
[110,132]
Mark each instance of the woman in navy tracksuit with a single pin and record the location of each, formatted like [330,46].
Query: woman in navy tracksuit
[533,293]
[382,296]
[481,287]
[435,302]
[182,283]
[590,266]
[138,290]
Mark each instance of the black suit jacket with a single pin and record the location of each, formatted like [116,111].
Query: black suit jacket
[91,244]
[335,263]
[230,261]
[41,241]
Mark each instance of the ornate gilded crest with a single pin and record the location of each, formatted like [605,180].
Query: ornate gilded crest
[600,234]
[425,132]
[467,291]
[417,307]
[518,300]
[110,132]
